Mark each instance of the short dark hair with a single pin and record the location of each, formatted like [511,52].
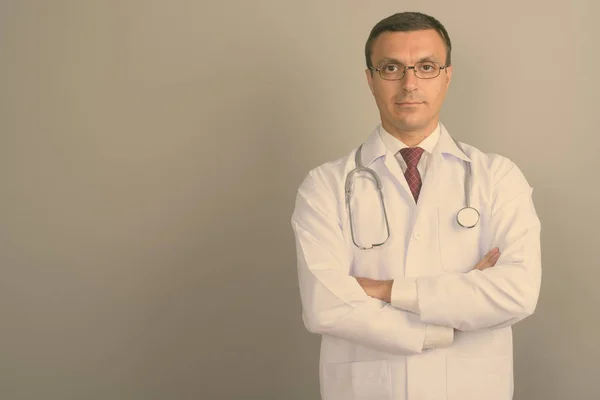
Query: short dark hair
[406,22]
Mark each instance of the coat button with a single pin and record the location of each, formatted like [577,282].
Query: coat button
[417,235]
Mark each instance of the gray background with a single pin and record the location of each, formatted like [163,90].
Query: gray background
[150,152]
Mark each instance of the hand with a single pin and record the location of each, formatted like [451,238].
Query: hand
[489,260]
[381,290]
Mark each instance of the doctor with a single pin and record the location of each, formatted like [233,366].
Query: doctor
[411,305]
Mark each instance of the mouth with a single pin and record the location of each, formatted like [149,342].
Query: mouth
[409,103]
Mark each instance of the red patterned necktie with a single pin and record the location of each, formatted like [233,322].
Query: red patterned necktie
[412,155]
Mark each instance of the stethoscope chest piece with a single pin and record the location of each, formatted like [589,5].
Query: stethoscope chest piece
[467,217]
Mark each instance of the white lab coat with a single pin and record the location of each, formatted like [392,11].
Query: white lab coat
[373,350]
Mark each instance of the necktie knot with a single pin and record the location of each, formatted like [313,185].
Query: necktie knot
[411,155]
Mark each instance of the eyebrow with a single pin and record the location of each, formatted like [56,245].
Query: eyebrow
[395,61]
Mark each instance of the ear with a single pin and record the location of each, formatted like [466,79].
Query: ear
[448,75]
[369,79]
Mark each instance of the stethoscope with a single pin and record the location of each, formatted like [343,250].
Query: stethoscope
[467,217]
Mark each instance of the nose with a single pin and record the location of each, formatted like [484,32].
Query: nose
[410,81]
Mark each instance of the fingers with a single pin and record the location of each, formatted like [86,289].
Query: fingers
[489,260]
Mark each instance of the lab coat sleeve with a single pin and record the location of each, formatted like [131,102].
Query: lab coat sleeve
[404,296]
[333,303]
[507,292]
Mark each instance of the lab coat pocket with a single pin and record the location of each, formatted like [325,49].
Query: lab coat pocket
[458,246]
[357,380]
[478,378]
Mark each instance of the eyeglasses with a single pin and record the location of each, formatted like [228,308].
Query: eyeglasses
[422,70]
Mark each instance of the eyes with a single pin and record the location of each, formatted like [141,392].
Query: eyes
[426,66]
[424,70]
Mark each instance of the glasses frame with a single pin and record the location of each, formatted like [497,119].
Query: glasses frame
[413,67]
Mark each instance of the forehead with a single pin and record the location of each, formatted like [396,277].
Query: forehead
[409,46]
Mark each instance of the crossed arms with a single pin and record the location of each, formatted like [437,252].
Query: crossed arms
[382,290]
[490,296]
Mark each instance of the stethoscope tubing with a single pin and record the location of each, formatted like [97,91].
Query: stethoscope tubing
[361,168]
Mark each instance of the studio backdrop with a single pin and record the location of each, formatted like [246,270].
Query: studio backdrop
[150,153]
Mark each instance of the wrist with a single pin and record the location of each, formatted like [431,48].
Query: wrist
[386,291]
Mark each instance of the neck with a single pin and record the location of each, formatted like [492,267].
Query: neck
[410,137]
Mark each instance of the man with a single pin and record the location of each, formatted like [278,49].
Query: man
[410,304]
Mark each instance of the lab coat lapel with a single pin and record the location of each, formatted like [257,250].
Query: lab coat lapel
[395,170]
[437,181]
[377,156]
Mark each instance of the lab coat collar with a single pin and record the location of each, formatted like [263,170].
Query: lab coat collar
[394,145]
[374,147]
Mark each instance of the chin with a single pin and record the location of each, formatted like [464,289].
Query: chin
[410,123]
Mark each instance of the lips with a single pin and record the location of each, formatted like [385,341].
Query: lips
[409,103]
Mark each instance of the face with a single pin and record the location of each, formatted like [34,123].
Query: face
[410,106]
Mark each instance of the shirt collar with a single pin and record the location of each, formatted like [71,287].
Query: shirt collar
[394,145]
[441,142]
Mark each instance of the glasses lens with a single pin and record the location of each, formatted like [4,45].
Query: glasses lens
[391,71]
[427,70]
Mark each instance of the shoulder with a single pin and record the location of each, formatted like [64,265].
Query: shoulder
[328,175]
[322,189]
[505,180]
[497,167]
